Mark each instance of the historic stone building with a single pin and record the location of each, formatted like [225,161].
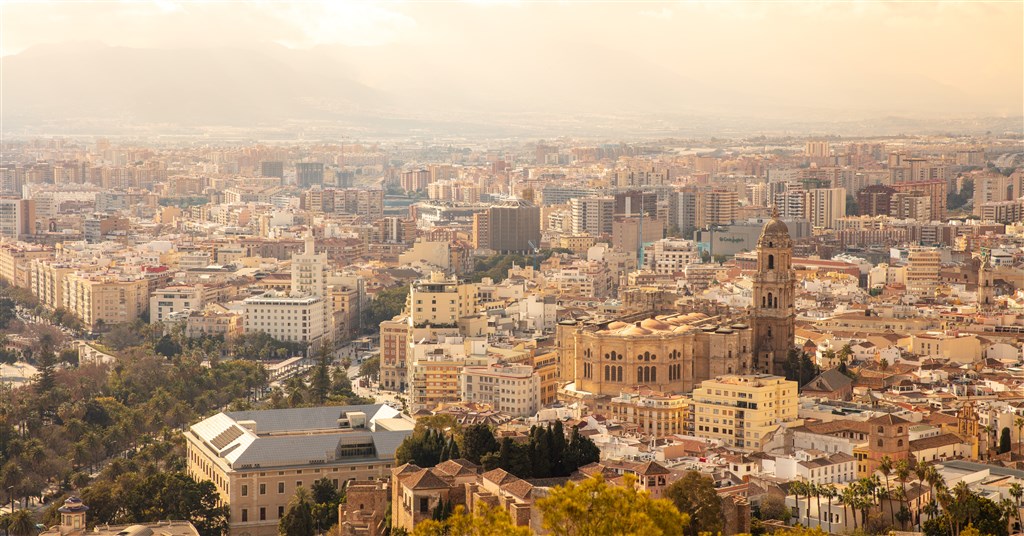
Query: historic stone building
[674,353]
[773,313]
[666,353]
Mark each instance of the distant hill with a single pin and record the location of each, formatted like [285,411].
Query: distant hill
[182,86]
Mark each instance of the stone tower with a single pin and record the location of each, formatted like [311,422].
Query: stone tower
[773,312]
[986,292]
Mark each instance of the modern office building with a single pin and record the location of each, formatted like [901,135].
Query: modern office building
[309,173]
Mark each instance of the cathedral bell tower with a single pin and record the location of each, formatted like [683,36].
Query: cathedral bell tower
[773,312]
[986,292]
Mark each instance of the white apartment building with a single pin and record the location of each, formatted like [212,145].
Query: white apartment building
[591,215]
[670,255]
[509,388]
[166,301]
[286,318]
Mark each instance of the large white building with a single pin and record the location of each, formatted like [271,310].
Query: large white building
[670,255]
[176,299]
[286,318]
[303,315]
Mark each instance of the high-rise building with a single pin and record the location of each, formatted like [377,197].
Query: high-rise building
[309,173]
[513,227]
[636,202]
[272,169]
[773,314]
[415,180]
[17,217]
[923,266]
[591,215]
[817,149]
[875,200]
[935,190]
[825,206]
[989,187]
[631,233]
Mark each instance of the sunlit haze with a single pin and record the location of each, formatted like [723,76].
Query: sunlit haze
[779,66]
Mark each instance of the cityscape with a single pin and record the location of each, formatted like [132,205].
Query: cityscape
[453,269]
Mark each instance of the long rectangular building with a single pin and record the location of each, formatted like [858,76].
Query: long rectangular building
[257,459]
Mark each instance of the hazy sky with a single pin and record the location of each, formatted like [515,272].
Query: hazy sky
[856,54]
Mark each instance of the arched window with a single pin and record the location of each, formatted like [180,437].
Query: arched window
[771,262]
[639,375]
[654,374]
[606,372]
[776,304]
[620,374]
[763,302]
[879,442]
[899,443]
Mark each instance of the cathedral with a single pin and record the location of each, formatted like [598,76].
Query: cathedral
[674,353]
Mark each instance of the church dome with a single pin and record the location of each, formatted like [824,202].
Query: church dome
[775,226]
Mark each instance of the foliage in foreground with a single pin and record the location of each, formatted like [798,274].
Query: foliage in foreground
[485,521]
[594,507]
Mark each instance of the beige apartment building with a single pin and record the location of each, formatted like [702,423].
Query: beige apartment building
[394,349]
[440,300]
[16,262]
[48,281]
[105,298]
[923,269]
[214,321]
[257,459]
[509,388]
[740,411]
[654,414]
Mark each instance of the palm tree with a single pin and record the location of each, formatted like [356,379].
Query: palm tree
[830,492]
[797,488]
[1008,508]
[1017,491]
[849,498]
[902,470]
[921,472]
[21,524]
[815,489]
[1019,423]
[885,467]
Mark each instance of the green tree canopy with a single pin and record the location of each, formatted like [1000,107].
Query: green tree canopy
[596,508]
[695,495]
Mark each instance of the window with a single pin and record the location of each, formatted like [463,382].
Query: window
[263,514]
[280,512]
[245,515]
[263,489]
[245,491]
[424,505]
[280,487]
